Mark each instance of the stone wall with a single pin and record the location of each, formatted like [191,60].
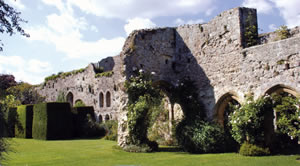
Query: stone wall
[84,86]
[214,55]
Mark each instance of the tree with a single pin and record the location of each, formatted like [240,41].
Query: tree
[10,21]
[25,93]
[6,81]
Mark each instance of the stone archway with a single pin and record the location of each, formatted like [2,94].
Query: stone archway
[70,98]
[222,107]
[270,117]
[280,88]
[79,102]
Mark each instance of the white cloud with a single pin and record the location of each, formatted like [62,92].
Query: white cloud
[65,23]
[142,8]
[37,66]
[198,21]
[180,21]
[17,3]
[272,27]
[29,71]
[289,10]
[138,23]
[94,28]
[57,3]
[64,31]
[262,6]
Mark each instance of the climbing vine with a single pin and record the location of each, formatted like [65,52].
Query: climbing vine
[142,96]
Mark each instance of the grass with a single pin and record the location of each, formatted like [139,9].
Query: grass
[29,152]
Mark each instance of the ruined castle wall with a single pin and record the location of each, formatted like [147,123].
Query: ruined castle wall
[84,86]
[273,36]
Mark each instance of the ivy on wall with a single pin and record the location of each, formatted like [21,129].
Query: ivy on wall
[142,97]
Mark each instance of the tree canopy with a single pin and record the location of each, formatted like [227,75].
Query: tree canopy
[10,21]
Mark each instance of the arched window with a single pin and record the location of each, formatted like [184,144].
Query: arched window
[108,102]
[106,117]
[100,119]
[101,99]
[70,98]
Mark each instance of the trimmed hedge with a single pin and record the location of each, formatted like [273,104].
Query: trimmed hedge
[11,119]
[253,150]
[52,121]
[80,120]
[23,124]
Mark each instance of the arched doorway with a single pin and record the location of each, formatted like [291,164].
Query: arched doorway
[223,109]
[108,99]
[101,100]
[70,98]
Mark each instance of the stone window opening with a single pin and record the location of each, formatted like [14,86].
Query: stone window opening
[106,117]
[101,100]
[166,61]
[108,99]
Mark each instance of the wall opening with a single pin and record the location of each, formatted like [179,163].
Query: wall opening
[79,103]
[224,108]
[271,116]
[70,98]
[106,117]
[101,99]
[100,119]
[108,99]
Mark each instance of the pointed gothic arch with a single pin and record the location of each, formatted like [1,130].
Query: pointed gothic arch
[101,100]
[70,98]
[108,99]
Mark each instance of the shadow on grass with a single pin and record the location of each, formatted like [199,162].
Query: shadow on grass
[170,149]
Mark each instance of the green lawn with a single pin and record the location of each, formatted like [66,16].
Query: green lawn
[29,152]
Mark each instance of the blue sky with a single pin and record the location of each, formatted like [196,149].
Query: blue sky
[69,34]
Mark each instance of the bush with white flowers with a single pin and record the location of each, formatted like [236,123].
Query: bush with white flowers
[247,121]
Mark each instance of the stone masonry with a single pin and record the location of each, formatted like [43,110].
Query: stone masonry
[214,55]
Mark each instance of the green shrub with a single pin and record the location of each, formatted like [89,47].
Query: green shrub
[104,74]
[282,32]
[85,123]
[247,121]
[79,103]
[253,150]
[24,121]
[11,119]
[52,121]
[200,137]
[111,128]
